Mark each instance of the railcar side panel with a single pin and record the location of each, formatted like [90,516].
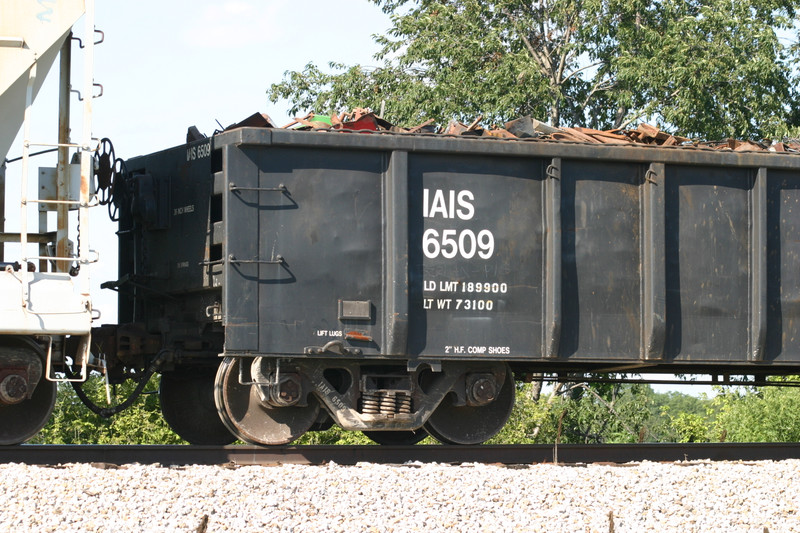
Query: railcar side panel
[417,248]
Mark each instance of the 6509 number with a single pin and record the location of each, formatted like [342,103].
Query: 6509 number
[452,243]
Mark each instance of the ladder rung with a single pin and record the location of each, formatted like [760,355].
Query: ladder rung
[76,259]
[68,202]
[57,145]
[49,258]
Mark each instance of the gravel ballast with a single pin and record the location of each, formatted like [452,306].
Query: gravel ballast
[701,497]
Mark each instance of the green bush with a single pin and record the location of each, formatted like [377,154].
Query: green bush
[767,414]
[73,423]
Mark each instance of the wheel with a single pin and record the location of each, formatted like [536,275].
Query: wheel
[104,161]
[187,403]
[452,424]
[21,421]
[397,438]
[252,420]
[116,194]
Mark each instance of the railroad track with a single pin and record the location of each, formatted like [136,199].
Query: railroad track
[350,455]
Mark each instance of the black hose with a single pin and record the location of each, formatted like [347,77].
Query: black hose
[34,154]
[108,412]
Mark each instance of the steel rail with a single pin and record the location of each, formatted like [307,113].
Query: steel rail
[351,455]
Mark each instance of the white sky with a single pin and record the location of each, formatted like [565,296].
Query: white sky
[169,65]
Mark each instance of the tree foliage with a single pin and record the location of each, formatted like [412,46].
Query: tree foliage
[708,68]
[73,423]
[578,413]
[768,414]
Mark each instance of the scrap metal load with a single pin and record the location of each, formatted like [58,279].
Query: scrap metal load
[398,282]
[364,120]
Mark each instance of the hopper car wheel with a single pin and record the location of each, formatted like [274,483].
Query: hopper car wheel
[467,425]
[247,417]
[187,403]
[21,421]
[397,438]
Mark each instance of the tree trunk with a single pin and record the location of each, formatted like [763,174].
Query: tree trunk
[555,117]
[536,387]
[619,120]
[550,401]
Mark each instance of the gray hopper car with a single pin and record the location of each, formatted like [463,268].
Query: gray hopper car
[396,284]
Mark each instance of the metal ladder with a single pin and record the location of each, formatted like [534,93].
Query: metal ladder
[62,204]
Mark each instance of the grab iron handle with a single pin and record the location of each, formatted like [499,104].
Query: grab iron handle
[277,261]
[280,188]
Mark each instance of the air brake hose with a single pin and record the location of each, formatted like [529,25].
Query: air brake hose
[108,412]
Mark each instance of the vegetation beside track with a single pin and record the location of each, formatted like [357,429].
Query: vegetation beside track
[575,413]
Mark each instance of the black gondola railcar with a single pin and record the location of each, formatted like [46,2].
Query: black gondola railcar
[397,283]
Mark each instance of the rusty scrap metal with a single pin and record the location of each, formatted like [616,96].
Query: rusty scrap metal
[256,120]
[366,121]
[415,129]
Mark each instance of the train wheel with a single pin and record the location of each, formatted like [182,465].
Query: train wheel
[397,438]
[187,403]
[452,424]
[21,418]
[247,417]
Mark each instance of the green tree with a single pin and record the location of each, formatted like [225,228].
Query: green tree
[534,420]
[713,68]
[687,427]
[73,423]
[678,417]
[709,68]
[602,413]
[763,414]
[607,412]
